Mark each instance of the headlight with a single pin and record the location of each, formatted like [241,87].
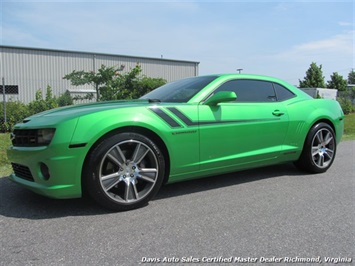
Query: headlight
[44,136]
[32,137]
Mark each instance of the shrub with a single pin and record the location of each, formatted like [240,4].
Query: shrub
[346,105]
[65,99]
[40,104]
[15,112]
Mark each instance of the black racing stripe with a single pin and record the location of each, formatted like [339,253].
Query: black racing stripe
[183,117]
[189,122]
[238,121]
[171,122]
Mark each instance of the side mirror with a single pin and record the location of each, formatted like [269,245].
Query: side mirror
[220,97]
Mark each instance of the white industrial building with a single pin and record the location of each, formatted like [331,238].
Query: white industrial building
[26,70]
[321,92]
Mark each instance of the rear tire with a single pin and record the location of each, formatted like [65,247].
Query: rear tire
[124,171]
[319,149]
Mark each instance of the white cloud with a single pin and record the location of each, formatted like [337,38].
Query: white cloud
[222,36]
[345,24]
[335,54]
[338,46]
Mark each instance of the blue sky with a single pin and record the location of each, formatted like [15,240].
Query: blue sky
[276,38]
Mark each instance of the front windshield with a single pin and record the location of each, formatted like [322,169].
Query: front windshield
[180,91]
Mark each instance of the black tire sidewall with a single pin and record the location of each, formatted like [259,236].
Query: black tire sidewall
[306,161]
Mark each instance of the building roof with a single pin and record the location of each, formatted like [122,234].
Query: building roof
[95,53]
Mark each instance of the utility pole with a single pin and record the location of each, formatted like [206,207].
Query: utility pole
[239,70]
[4,99]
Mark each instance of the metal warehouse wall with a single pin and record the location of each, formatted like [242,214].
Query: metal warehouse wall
[32,69]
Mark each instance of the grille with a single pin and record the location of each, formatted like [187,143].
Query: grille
[22,171]
[24,138]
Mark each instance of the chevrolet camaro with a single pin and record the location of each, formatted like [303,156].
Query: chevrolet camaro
[121,152]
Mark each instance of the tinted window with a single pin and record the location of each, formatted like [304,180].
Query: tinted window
[179,91]
[282,93]
[250,90]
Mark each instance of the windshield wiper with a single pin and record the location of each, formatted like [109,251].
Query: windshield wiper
[154,100]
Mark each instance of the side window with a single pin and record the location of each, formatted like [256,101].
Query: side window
[250,90]
[282,93]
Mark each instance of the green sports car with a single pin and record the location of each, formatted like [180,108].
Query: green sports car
[121,152]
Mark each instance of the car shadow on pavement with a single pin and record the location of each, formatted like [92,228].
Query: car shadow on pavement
[18,202]
[225,180]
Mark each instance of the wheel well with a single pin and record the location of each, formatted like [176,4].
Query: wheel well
[327,121]
[144,131]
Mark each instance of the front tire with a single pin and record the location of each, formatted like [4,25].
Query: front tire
[319,149]
[124,171]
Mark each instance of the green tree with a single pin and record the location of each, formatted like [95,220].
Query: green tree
[50,100]
[314,77]
[110,84]
[123,86]
[103,77]
[40,104]
[65,99]
[351,77]
[133,85]
[337,82]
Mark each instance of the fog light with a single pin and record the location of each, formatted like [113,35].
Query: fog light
[45,171]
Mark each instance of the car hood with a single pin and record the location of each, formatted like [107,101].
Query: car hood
[70,113]
[82,109]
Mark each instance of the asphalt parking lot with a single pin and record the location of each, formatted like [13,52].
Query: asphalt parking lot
[274,216]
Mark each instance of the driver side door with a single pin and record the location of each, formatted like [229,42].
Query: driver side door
[243,132]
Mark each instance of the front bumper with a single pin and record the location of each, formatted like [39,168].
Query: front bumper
[62,179]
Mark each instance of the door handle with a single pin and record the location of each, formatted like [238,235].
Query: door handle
[278,113]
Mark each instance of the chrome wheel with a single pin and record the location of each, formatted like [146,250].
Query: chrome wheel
[323,148]
[128,171]
[318,150]
[124,171]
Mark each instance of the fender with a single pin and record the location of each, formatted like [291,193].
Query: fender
[315,110]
